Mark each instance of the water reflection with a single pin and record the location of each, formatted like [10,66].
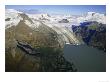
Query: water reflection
[86,59]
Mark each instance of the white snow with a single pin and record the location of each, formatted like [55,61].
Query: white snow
[65,28]
[14,17]
[53,22]
[35,24]
[92,16]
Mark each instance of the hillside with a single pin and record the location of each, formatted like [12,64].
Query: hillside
[32,46]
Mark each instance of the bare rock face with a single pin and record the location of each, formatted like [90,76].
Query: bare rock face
[34,50]
[33,46]
[64,21]
[92,33]
[17,60]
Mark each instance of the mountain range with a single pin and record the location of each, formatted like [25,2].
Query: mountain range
[43,34]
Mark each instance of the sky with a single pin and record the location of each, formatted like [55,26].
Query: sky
[59,9]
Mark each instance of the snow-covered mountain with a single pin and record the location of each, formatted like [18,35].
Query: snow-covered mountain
[92,16]
[35,42]
[13,17]
[54,20]
[61,24]
[58,20]
[43,23]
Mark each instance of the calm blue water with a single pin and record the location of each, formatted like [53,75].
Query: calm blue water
[86,59]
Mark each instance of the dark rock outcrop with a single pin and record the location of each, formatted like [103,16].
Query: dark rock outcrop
[64,21]
[92,33]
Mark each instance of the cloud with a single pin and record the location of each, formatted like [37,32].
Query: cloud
[30,11]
